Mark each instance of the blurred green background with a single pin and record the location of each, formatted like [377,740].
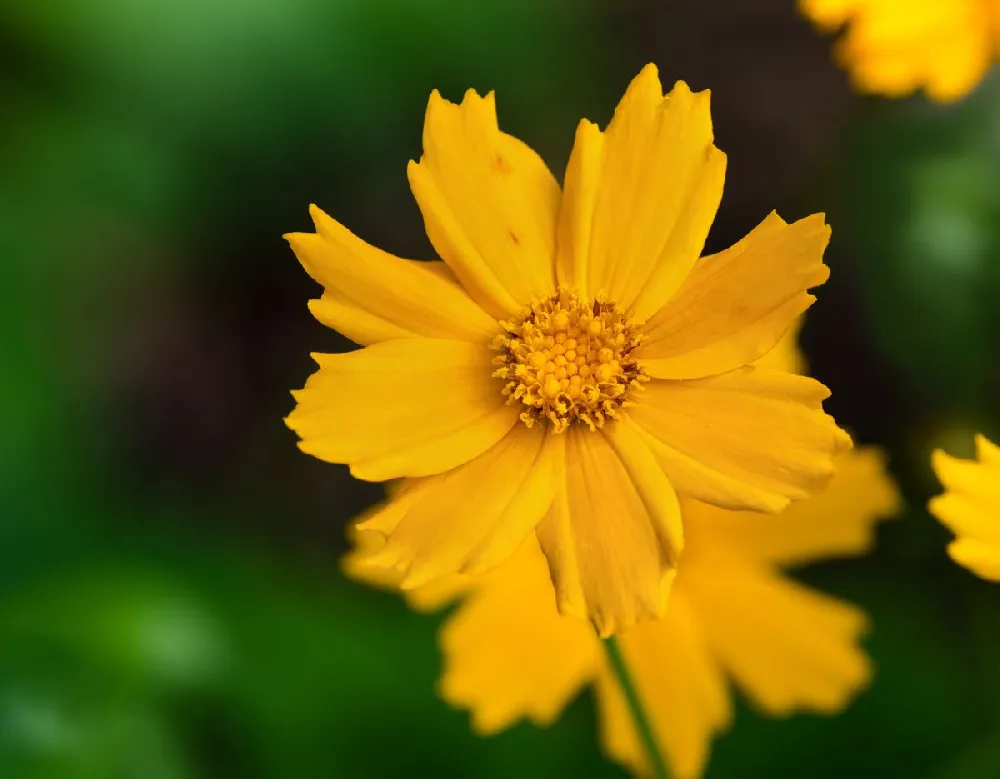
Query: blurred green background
[170,603]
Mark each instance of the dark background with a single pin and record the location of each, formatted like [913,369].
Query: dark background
[170,602]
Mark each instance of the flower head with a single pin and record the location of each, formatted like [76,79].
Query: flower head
[970,507]
[733,616]
[893,47]
[573,363]
[567,360]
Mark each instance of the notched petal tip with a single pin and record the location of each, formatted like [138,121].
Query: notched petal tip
[317,214]
[650,73]
[987,452]
[327,227]
[682,88]
[441,108]
[301,243]
[472,98]
[774,216]
[842,440]
[644,89]
[937,504]
[940,462]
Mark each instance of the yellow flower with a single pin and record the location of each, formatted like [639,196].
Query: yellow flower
[970,507]
[572,362]
[897,46]
[732,616]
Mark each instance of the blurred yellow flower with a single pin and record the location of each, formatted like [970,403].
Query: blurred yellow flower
[970,507]
[732,616]
[896,46]
[572,362]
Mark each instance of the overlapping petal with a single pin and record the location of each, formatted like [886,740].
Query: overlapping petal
[749,439]
[471,518]
[509,655]
[371,296]
[640,198]
[787,646]
[409,407]
[736,305]
[980,557]
[682,689]
[838,521]
[576,210]
[612,535]
[357,564]
[970,507]
[489,204]
[786,355]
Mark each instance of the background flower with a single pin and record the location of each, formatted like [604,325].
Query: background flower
[508,654]
[970,507]
[896,47]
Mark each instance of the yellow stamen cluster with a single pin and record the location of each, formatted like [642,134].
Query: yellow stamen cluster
[565,359]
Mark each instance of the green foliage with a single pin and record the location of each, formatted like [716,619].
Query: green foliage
[924,203]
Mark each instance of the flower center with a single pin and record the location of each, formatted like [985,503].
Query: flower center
[565,359]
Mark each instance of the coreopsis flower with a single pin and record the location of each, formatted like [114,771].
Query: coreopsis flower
[892,47]
[970,507]
[572,364]
[734,616]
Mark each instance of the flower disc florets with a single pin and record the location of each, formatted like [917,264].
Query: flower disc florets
[565,359]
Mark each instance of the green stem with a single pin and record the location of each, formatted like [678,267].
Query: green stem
[639,718]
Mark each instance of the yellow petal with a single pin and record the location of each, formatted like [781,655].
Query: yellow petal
[611,535]
[410,407]
[982,558]
[357,564]
[787,646]
[748,439]
[839,521]
[354,322]
[650,483]
[660,185]
[509,654]
[472,518]
[576,211]
[970,507]
[971,503]
[372,296]
[681,688]
[830,14]
[786,355]
[489,204]
[987,452]
[736,305]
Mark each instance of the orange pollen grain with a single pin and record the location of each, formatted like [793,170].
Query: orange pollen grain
[567,359]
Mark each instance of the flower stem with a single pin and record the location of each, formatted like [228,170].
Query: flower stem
[639,719]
